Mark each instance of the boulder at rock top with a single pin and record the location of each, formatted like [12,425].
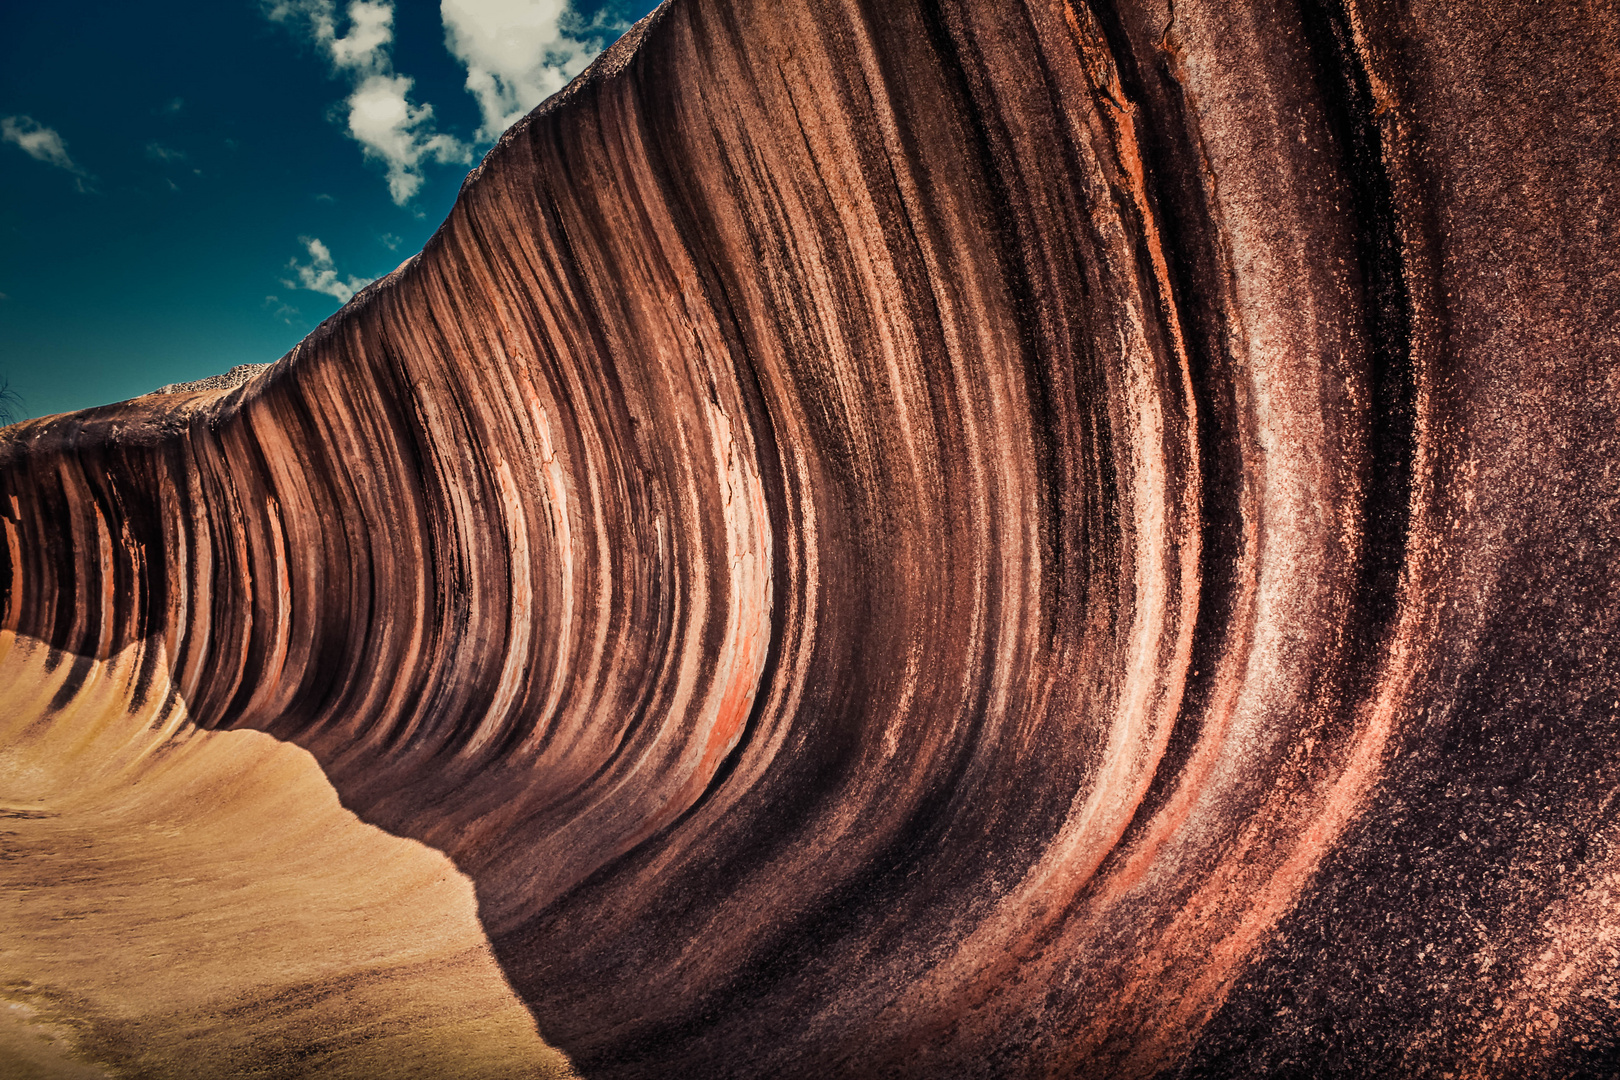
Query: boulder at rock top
[919,538]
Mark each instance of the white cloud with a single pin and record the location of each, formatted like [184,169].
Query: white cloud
[517,53]
[42,144]
[371,30]
[320,273]
[400,135]
[318,13]
[36,140]
[381,119]
[158,152]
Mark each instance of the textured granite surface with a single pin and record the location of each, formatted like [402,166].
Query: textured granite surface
[925,538]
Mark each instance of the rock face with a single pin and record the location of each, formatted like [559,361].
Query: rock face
[951,539]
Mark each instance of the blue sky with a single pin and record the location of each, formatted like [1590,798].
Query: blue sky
[187,187]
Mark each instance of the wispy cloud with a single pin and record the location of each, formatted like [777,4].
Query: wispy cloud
[158,152]
[37,141]
[382,119]
[174,105]
[517,53]
[282,310]
[320,273]
[42,144]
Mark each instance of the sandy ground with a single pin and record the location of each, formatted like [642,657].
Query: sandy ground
[184,903]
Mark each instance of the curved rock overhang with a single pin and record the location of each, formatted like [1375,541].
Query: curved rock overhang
[942,538]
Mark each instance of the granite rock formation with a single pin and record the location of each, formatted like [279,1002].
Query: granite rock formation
[927,538]
[229,380]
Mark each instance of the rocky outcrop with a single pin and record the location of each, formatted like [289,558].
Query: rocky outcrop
[924,539]
[230,380]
